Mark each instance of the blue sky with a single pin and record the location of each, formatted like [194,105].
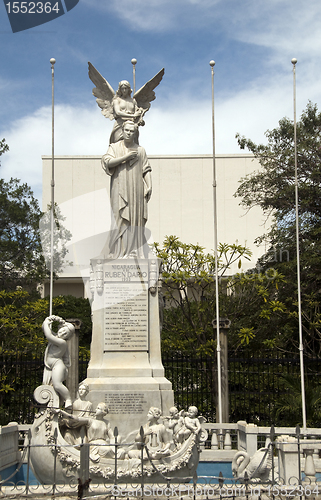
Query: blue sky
[252,43]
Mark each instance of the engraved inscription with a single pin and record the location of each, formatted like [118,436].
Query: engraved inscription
[126,402]
[126,308]
[126,272]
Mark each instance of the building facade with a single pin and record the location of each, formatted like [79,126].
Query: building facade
[181,205]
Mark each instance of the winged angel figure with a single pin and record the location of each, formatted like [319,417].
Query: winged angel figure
[120,105]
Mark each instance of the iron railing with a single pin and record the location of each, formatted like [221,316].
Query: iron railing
[258,386]
[262,481]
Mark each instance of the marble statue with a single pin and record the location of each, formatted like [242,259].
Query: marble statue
[155,438]
[120,106]
[57,359]
[80,408]
[191,425]
[175,422]
[130,191]
[99,432]
[160,458]
[257,467]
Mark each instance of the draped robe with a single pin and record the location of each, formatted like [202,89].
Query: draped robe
[128,200]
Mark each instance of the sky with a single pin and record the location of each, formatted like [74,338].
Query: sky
[252,43]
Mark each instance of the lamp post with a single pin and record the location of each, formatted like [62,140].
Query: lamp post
[52,62]
[294,61]
[218,343]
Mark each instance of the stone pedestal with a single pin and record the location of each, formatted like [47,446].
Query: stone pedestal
[125,369]
[288,462]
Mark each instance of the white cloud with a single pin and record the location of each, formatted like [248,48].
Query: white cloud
[181,126]
[157,15]
[277,24]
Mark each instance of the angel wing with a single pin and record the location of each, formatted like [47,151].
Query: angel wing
[145,95]
[103,91]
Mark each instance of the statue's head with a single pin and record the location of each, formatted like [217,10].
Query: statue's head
[131,124]
[192,411]
[173,411]
[154,412]
[66,330]
[102,408]
[123,86]
[83,389]
[129,129]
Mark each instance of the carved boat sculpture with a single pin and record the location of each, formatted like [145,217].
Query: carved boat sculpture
[50,451]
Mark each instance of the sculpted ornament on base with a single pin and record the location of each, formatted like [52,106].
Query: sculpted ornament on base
[154,443]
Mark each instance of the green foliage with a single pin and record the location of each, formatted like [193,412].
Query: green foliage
[21,260]
[272,188]
[70,307]
[290,403]
[3,146]
[256,316]
[188,275]
[23,247]
[22,315]
[249,300]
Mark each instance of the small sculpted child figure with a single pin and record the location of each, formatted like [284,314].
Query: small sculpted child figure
[57,358]
[191,425]
[175,422]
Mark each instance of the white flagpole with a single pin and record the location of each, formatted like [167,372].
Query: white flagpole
[218,348]
[134,62]
[294,61]
[52,62]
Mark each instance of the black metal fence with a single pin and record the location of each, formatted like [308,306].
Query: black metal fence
[258,386]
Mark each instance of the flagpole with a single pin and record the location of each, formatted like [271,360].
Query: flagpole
[52,62]
[218,343]
[294,61]
[134,62]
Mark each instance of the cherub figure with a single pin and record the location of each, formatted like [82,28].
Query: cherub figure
[191,425]
[121,106]
[57,358]
[175,422]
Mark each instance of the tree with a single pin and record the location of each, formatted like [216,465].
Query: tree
[3,146]
[247,299]
[23,246]
[22,315]
[188,277]
[21,259]
[272,188]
